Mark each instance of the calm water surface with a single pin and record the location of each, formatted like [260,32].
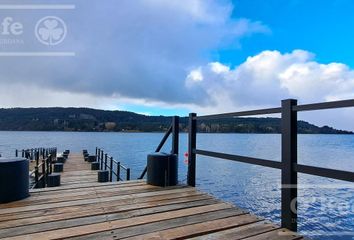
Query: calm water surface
[325,206]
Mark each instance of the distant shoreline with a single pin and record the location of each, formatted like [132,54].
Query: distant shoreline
[54,131]
[94,120]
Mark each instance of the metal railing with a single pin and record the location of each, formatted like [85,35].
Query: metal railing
[34,153]
[43,158]
[107,162]
[288,165]
[174,129]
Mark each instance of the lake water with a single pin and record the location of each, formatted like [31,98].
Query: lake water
[325,206]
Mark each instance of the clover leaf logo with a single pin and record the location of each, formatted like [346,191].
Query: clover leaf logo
[50,30]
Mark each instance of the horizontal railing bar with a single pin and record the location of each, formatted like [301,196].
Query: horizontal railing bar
[125,168]
[325,172]
[238,158]
[240,114]
[324,105]
[32,172]
[107,165]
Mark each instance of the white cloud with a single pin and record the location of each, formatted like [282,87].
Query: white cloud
[194,76]
[265,79]
[139,49]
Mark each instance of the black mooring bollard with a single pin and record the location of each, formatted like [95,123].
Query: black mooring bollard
[61,159]
[53,180]
[95,166]
[91,158]
[103,175]
[162,169]
[14,181]
[58,167]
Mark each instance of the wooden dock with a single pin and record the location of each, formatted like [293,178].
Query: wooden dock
[82,208]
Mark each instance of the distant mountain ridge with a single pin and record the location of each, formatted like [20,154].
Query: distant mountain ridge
[87,119]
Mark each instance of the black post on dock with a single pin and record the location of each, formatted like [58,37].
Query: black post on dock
[36,175]
[110,169]
[118,171]
[105,161]
[44,177]
[102,157]
[128,174]
[192,143]
[175,134]
[16,153]
[98,157]
[99,154]
[289,160]
[50,164]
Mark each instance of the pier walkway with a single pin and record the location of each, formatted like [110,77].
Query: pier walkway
[82,208]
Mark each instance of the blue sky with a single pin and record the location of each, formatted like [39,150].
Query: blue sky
[322,27]
[173,57]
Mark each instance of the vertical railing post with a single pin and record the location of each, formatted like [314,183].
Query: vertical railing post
[16,153]
[128,174]
[23,153]
[101,160]
[105,161]
[50,164]
[102,156]
[192,143]
[118,171]
[111,169]
[44,177]
[36,176]
[98,157]
[175,134]
[289,159]
[37,162]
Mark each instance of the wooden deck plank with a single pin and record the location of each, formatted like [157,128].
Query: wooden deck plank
[241,232]
[106,226]
[153,192]
[278,234]
[143,209]
[118,200]
[199,228]
[82,208]
[101,209]
[82,187]
[79,196]
[163,225]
